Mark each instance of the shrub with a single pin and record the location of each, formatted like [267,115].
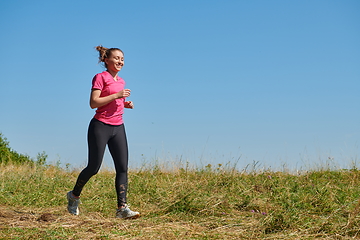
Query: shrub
[7,155]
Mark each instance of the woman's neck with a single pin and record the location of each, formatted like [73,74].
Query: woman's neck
[113,74]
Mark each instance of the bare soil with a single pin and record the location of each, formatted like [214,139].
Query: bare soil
[55,223]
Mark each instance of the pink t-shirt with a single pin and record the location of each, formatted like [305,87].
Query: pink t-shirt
[110,113]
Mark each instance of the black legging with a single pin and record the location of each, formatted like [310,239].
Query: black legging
[100,134]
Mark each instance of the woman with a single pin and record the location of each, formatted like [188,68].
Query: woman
[107,128]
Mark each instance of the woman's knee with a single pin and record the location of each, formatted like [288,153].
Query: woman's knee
[91,171]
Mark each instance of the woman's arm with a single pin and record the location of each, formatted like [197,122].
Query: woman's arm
[96,101]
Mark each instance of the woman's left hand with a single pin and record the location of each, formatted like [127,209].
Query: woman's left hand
[129,104]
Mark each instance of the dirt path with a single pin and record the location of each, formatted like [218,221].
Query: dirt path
[23,223]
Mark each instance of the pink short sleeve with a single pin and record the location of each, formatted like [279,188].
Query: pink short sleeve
[98,82]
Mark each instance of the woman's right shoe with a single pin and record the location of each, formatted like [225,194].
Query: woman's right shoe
[73,203]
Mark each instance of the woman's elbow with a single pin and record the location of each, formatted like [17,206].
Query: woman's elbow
[92,105]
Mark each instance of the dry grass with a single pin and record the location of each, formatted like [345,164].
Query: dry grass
[208,203]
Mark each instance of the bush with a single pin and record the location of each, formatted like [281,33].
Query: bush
[7,155]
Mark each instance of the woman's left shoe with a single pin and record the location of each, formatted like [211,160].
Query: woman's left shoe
[126,213]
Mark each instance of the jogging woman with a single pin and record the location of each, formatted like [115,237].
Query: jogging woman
[107,128]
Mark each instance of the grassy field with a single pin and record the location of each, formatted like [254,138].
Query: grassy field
[209,203]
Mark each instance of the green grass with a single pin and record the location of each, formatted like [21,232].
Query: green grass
[207,203]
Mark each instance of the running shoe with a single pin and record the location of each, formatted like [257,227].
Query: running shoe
[73,204]
[126,213]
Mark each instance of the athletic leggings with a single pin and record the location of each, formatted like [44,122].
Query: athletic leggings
[100,135]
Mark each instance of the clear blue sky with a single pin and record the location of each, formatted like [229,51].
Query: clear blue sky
[275,82]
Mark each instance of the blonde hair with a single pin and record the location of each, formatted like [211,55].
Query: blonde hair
[105,53]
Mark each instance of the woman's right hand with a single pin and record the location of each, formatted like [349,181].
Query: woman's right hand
[124,93]
[96,101]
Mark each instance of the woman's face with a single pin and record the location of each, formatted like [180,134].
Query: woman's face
[115,61]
